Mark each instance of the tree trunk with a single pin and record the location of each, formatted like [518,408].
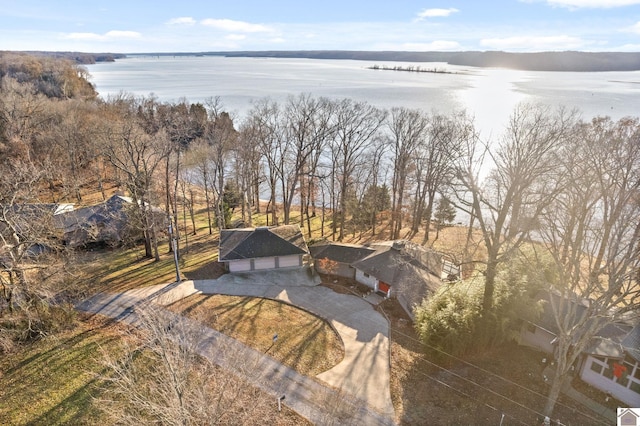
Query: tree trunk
[156,253]
[489,285]
[554,393]
[428,213]
[192,212]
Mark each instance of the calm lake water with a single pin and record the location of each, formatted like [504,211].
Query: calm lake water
[488,94]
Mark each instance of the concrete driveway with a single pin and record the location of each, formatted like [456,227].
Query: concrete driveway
[306,396]
[364,371]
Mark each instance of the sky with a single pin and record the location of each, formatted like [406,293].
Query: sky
[141,26]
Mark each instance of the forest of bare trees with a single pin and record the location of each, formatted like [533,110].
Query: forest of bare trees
[569,185]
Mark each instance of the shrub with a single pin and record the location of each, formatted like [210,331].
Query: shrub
[452,319]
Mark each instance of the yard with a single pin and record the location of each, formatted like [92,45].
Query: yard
[305,343]
[479,390]
[54,380]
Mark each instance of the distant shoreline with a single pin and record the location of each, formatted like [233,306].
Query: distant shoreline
[569,61]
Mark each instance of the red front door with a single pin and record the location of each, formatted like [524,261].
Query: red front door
[384,287]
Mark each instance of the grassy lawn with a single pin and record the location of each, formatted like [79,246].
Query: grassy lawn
[53,381]
[305,343]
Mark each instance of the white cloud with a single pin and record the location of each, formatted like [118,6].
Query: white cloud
[235,26]
[122,34]
[82,36]
[535,43]
[436,13]
[635,28]
[627,48]
[110,35]
[592,4]
[235,37]
[184,20]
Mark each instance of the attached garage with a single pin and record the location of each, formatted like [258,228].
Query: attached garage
[264,263]
[241,265]
[289,261]
[258,249]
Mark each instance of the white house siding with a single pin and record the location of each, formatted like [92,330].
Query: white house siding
[242,265]
[368,280]
[537,338]
[289,261]
[605,384]
[264,263]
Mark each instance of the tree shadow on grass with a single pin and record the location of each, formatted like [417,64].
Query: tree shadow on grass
[57,383]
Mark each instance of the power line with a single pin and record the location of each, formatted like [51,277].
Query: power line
[490,373]
[483,387]
[447,385]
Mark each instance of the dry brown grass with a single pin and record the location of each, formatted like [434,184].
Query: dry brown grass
[305,343]
[54,380]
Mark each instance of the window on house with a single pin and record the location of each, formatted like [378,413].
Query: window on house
[637,373]
[608,371]
[596,367]
[623,381]
[366,275]
[635,386]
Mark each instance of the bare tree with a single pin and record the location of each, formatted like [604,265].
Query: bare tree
[220,135]
[435,161]
[519,187]
[408,129]
[592,232]
[137,155]
[198,160]
[356,124]
[264,119]
[70,144]
[161,378]
[249,170]
[33,262]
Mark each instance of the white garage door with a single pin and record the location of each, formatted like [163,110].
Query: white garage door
[240,265]
[264,263]
[288,261]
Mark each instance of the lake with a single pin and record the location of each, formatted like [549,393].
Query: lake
[487,94]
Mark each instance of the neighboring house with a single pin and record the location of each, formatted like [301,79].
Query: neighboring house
[26,216]
[252,249]
[610,363]
[109,222]
[34,224]
[400,269]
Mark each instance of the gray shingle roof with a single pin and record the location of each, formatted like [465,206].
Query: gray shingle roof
[632,343]
[612,340]
[340,252]
[253,243]
[395,259]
